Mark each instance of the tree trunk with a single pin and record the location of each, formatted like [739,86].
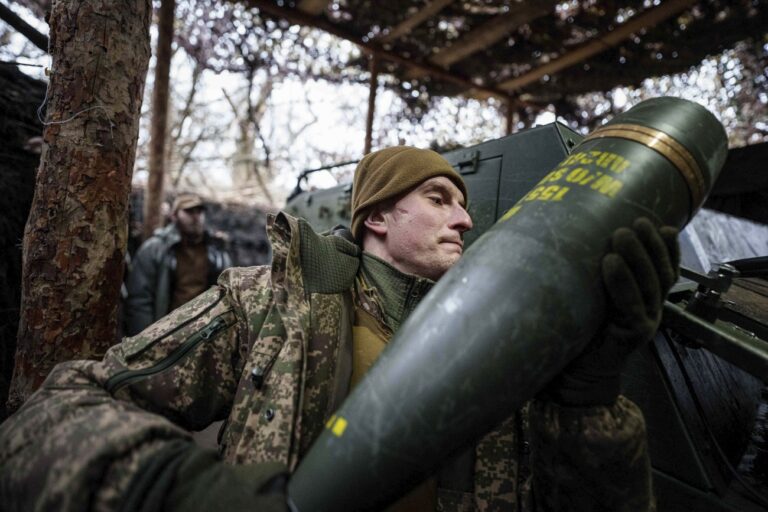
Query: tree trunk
[245,167]
[159,128]
[373,85]
[76,233]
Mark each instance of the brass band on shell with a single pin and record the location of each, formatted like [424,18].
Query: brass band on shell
[664,145]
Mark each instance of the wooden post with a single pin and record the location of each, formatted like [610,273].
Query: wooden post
[374,69]
[153,199]
[510,115]
[75,238]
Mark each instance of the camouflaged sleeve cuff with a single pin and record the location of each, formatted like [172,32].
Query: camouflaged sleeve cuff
[583,390]
[590,458]
[151,478]
[202,482]
[180,476]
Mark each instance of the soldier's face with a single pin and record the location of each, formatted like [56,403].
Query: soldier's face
[425,228]
[191,222]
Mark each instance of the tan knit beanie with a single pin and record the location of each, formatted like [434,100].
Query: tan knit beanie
[386,173]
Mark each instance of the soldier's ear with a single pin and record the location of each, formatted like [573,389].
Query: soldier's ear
[376,221]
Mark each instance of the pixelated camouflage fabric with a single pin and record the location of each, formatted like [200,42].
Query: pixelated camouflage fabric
[239,352]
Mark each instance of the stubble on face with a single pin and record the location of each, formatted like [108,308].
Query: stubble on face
[426,227]
[191,224]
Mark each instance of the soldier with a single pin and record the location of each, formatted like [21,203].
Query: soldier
[174,265]
[274,351]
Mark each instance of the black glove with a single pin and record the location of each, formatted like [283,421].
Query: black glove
[638,272]
[185,477]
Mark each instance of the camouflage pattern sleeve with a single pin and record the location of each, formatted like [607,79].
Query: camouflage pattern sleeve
[590,458]
[81,439]
[72,446]
[185,366]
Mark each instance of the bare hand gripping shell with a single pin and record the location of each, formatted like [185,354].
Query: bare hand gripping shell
[524,301]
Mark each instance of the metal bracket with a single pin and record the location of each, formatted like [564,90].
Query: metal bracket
[706,301]
[468,162]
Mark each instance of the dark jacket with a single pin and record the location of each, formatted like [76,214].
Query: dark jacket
[150,279]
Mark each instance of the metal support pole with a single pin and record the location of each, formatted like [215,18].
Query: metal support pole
[510,115]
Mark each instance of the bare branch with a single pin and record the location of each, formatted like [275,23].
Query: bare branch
[197,71]
[31,33]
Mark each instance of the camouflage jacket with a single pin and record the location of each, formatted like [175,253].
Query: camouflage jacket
[239,352]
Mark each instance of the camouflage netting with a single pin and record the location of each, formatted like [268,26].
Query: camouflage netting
[539,32]
[671,46]
[20,96]
[245,228]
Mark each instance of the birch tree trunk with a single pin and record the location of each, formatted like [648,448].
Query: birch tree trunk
[75,237]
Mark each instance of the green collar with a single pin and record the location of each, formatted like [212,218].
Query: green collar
[399,293]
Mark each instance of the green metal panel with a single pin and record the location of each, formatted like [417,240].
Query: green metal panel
[501,171]
[324,208]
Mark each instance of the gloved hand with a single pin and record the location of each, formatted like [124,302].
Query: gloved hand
[205,483]
[184,477]
[638,272]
